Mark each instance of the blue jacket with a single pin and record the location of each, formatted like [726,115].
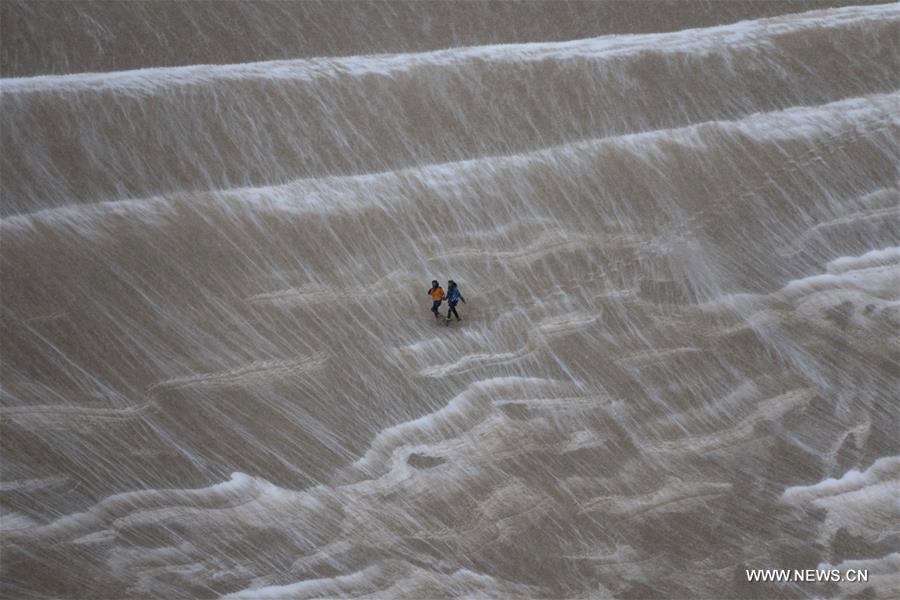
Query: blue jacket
[453,295]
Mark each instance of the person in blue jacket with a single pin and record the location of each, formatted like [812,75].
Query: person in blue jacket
[453,297]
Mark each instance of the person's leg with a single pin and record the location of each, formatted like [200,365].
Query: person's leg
[452,310]
[434,308]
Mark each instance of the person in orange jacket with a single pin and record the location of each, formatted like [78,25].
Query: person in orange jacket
[437,296]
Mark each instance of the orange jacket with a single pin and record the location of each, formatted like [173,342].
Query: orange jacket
[437,293]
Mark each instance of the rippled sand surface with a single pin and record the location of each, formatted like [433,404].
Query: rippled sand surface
[676,226]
